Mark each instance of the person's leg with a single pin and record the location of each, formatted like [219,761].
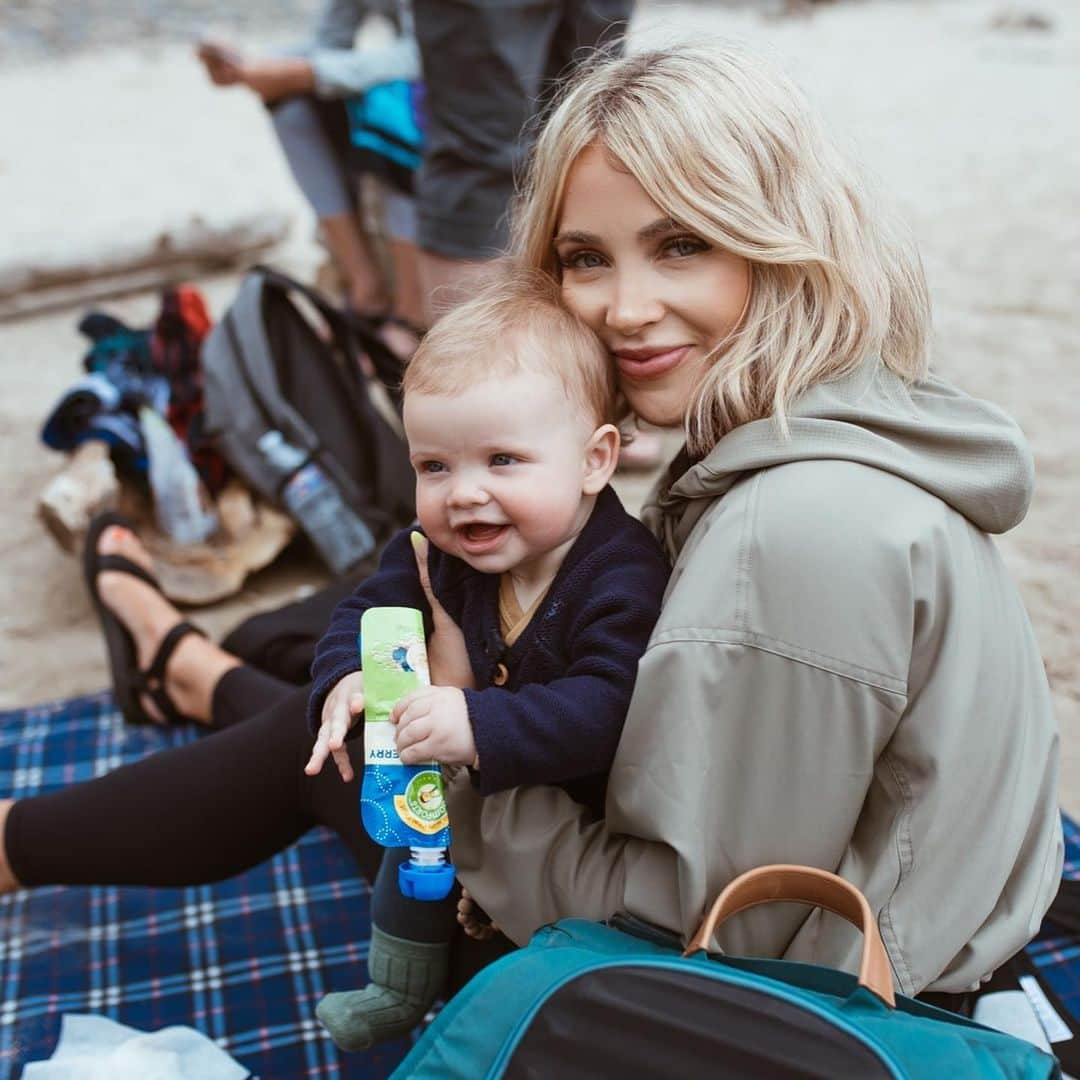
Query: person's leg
[408,294]
[445,282]
[244,692]
[195,666]
[282,641]
[309,134]
[408,962]
[349,248]
[486,68]
[192,815]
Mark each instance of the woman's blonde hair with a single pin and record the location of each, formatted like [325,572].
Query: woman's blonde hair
[514,321]
[731,151]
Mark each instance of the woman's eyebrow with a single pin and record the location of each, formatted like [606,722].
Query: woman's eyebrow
[659,227]
[575,236]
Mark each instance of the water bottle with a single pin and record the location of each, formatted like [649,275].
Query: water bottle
[178,504]
[338,533]
[401,805]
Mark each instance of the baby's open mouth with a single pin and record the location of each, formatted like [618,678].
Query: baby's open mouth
[480,534]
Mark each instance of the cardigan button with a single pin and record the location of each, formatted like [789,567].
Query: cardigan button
[501,676]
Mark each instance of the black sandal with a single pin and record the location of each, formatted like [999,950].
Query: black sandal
[128,681]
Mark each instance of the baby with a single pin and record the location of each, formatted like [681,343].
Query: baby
[538,590]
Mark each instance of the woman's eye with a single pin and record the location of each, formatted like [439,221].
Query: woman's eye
[682,246]
[432,467]
[581,260]
[503,459]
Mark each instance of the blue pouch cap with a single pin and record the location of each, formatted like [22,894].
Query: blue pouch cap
[426,882]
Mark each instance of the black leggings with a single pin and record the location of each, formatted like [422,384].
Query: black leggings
[208,810]
[197,813]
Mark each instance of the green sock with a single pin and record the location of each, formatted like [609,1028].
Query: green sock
[406,977]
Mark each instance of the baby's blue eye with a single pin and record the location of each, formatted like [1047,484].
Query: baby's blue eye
[503,459]
[432,467]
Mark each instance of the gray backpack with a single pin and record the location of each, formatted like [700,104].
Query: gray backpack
[267,371]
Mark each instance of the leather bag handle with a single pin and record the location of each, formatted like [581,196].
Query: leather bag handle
[783,883]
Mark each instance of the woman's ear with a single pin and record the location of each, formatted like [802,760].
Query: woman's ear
[601,457]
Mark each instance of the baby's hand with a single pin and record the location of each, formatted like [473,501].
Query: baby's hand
[467,915]
[433,725]
[342,706]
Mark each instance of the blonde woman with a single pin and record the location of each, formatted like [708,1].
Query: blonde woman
[843,674]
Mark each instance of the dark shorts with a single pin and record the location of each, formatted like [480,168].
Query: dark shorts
[488,66]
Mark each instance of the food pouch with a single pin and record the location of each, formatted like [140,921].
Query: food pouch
[401,805]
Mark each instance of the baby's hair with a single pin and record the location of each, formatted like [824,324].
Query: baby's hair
[731,151]
[514,322]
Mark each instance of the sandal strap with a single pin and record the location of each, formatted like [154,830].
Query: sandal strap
[125,566]
[152,681]
[156,670]
[164,703]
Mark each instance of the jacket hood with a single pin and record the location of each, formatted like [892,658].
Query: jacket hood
[966,452]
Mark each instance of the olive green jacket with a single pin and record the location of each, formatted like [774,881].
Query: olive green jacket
[843,676]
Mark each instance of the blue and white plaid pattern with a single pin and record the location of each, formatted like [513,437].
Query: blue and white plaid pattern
[244,961]
[1054,952]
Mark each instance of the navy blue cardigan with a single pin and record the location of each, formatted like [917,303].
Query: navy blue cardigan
[558,717]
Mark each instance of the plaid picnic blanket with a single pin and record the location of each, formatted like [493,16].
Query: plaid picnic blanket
[243,961]
[1055,952]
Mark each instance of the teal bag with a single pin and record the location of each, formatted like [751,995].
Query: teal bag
[595,1000]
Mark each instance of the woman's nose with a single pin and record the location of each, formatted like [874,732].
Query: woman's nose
[634,304]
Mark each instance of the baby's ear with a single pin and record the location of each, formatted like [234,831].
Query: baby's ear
[601,456]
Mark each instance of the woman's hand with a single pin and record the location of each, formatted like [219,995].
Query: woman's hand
[474,919]
[342,706]
[447,656]
[222,63]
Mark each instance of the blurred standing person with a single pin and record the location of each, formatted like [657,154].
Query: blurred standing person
[489,66]
[307,92]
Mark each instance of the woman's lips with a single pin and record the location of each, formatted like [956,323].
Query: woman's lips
[479,539]
[641,364]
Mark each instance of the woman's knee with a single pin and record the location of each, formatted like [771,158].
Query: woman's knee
[294,119]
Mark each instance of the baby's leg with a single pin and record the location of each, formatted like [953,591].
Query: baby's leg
[408,962]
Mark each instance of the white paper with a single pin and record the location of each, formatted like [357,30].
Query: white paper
[96,1048]
[1056,1029]
[1011,1012]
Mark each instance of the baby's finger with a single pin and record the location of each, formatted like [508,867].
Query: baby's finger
[411,733]
[412,706]
[319,753]
[338,727]
[344,765]
[418,753]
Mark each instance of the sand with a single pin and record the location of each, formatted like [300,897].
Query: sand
[969,126]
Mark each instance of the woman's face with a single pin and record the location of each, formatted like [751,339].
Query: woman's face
[658,296]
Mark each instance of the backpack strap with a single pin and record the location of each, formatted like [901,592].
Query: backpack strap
[781,883]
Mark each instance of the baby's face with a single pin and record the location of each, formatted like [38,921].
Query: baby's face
[500,470]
